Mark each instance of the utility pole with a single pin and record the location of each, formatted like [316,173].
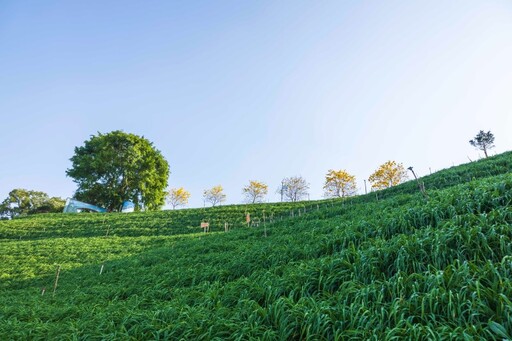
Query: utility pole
[365,191]
[420,185]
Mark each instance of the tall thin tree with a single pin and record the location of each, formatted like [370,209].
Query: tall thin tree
[483,141]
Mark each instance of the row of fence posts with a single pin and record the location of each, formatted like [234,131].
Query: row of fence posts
[55,283]
[205,225]
[206,228]
[57,276]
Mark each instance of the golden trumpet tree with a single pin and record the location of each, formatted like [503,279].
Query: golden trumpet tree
[214,195]
[387,175]
[339,184]
[177,197]
[255,191]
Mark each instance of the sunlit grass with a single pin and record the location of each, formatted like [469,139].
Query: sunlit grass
[394,268]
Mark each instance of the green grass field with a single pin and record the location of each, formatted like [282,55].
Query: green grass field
[381,267]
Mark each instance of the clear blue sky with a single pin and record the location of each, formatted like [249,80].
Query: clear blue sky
[230,91]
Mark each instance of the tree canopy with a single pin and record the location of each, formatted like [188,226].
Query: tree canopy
[387,175]
[214,195]
[23,202]
[293,189]
[255,191]
[339,184]
[483,141]
[114,167]
[177,197]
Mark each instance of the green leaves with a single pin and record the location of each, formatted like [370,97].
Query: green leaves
[114,167]
[24,202]
[483,141]
[499,330]
[397,268]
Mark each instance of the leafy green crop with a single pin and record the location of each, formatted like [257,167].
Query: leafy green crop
[361,268]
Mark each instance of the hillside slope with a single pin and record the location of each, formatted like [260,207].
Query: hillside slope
[396,267]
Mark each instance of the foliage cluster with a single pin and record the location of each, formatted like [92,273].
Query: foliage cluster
[389,174]
[339,184]
[21,202]
[114,167]
[294,188]
[255,191]
[177,197]
[483,141]
[214,195]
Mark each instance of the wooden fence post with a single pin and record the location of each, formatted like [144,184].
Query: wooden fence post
[56,280]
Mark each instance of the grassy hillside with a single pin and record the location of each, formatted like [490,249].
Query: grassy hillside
[396,267]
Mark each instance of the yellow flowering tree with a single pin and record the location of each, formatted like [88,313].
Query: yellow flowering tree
[339,184]
[387,175]
[177,197]
[255,191]
[214,195]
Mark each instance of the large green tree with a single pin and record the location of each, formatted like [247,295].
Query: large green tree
[114,167]
[23,202]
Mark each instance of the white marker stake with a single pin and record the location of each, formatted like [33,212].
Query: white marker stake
[56,280]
